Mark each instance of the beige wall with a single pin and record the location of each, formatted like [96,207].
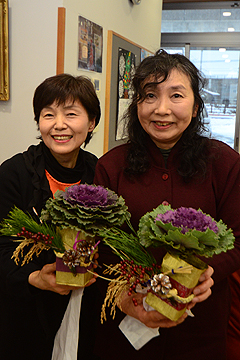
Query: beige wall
[33,40]
[140,24]
[32,49]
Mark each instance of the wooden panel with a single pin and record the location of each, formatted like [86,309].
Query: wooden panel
[61,40]
[4,51]
[108,89]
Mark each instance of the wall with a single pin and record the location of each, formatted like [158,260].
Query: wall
[32,47]
[140,24]
[32,43]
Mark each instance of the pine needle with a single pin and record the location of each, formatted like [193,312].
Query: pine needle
[127,246]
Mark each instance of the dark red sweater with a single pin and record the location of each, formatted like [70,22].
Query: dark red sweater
[204,336]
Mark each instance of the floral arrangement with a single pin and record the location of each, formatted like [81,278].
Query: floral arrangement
[185,234]
[184,231]
[85,207]
[69,225]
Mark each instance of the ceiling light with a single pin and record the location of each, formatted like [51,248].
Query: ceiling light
[227,60]
[227,13]
[221,49]
[231,29]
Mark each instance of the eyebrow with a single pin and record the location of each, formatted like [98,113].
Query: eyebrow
[72,106]
[178,87]
[154,85]
[47,107]
[64,107]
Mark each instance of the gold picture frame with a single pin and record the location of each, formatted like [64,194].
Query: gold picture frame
[4,54]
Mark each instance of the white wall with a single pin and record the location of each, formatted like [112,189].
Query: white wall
[140,24]
[33,42]
[32,46]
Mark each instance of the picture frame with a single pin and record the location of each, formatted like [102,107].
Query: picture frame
[4,51]
[117,44]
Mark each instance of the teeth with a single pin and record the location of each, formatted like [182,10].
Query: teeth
[62,137]
[162,124]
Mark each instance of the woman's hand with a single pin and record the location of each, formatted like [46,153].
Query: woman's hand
[203,290]
[45,279]
[152,319]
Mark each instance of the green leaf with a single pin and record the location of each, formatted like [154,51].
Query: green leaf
[188,240]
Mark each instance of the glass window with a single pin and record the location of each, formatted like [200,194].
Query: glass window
[202,20]
[220,67]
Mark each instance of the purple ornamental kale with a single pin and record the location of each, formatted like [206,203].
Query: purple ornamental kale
[89,196]
[187,219]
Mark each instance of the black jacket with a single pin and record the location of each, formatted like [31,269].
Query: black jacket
[31,317]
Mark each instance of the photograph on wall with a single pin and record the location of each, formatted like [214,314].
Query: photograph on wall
[90,45]
[126,70]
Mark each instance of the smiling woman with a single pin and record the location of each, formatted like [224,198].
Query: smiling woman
[167,108]
[169,160]
[66,110]
[64,128]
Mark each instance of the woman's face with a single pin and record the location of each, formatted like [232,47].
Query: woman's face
[64,129]
[167,109]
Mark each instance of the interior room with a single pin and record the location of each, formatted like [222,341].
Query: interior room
[43,41]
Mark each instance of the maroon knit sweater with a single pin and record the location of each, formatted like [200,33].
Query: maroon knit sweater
[204,336]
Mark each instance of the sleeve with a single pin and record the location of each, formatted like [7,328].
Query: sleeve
[109,169]
[227,191]
[15,190]
[101,176]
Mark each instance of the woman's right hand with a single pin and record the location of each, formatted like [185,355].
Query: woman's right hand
[45,279]
[152,319]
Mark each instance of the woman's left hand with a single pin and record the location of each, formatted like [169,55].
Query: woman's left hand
[203,290]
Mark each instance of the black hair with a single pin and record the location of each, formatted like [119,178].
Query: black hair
[194,150]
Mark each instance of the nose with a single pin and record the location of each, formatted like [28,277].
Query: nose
[60,122]
[162,107]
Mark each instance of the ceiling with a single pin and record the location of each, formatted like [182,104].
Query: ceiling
[199,4]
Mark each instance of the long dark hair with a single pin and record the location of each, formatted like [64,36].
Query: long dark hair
[64,87]
[194,150]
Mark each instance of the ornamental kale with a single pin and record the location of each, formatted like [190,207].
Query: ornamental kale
[188,218]
[86,207]
[184,231]
[89,196]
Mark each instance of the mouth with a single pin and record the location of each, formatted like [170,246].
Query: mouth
[61,137]
[162,124]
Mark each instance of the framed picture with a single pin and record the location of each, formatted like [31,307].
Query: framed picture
[90,45]
[126,70]
[4,54]
[122,57]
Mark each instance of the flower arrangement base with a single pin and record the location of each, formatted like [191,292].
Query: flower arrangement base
[183,282]
[64,276]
